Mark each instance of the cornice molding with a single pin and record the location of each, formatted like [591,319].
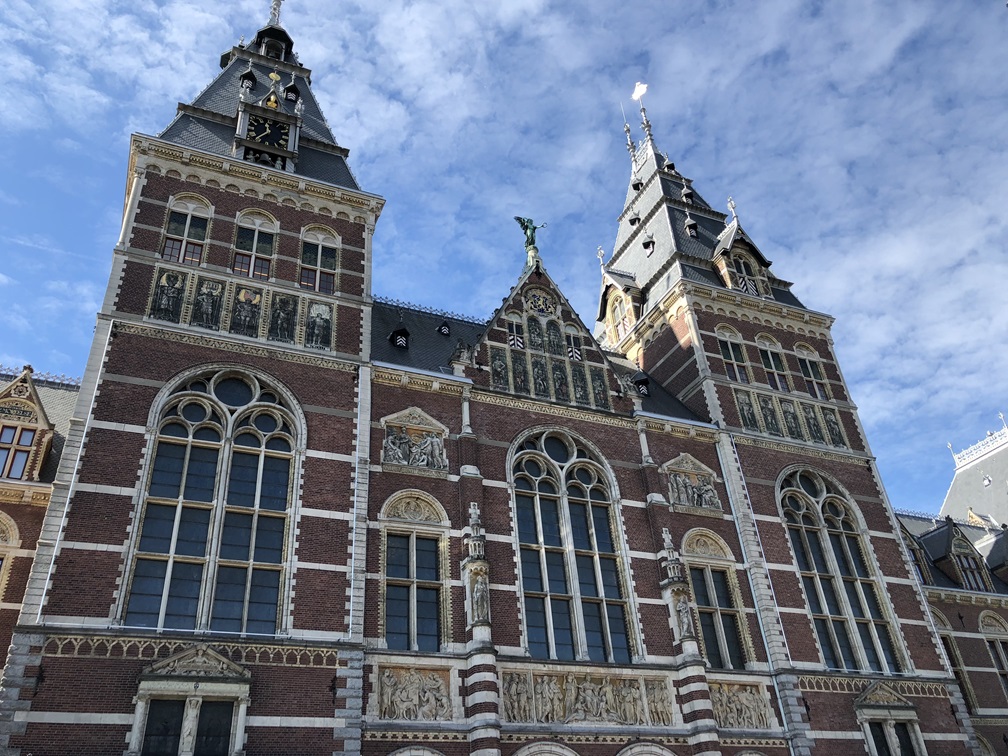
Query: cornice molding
[966,598]
[805,450]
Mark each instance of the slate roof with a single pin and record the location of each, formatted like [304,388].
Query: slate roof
[934,534]
[428,349]
[659,401]
[981,481]
[208,124]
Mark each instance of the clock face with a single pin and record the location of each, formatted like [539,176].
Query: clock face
[267,132]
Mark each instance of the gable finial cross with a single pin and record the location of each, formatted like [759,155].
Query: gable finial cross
[731,206]
[275,12]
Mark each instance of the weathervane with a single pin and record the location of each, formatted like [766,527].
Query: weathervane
[275,12]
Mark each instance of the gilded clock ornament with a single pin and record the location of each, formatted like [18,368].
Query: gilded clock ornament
[268,133]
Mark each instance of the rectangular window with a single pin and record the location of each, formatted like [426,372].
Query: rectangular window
[773,363]
[815,384]
[719,618]
[734,361]
[412,592]
[164,728]
[185,236]
[972,572]
[999,653]
[318,267]
[955,661]
[889,738]
[15,449]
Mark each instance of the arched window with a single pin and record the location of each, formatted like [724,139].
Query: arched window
[572,579]
[841,589]
[319,260]
[619,317]
[414,532]
[808,362]
[995,631]
[213,525]
[733,354]
[717,598]
[745,276]
[972,570]
[773,363]
[186,232]
[254,245]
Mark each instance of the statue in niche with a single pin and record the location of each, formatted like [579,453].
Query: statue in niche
[318,333]
[540,381]
[560,389]
[283,319]
[599,388]
[580,384]
[684,617]
[207,304]
[814,428]
[498,369]
[791,420]
[535,334]
[769,415]
[554,339]
[481,599]
[247,308]
[167,302]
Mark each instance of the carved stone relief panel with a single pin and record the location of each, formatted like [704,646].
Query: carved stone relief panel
[791,423]
[600,389]
[741,706]
[603,699]
[560,387]
[414,695]
[414,439]
[519,371]
[580,382]
[746,411]
[691,483]
[770,415]
[812,421]
[283,318]
[498,368]
[540,378]
[833,427]
[319,325]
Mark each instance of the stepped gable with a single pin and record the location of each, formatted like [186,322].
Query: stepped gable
[210,122]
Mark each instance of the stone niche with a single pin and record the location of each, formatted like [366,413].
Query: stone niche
[414,442]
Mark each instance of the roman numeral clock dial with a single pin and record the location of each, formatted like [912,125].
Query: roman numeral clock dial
[268,133]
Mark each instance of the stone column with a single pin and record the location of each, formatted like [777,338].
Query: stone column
[482,703]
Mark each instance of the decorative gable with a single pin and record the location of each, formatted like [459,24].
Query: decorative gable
[198,662]
[691,483]
[25,430]
[536,346]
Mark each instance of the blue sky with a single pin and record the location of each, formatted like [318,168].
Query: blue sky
[865,143]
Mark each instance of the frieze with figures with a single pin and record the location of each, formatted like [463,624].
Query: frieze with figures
[691,483]
[740,706]
[414,695]
[241,309]
[599,699]
[414,439]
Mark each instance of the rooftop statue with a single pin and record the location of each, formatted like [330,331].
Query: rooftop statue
[529,227]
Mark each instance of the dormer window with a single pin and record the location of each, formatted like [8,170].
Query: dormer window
[687,194]
[444,329]
[642,383]
[745,279]
[400,338]
[637,185]
[291,92]
[15,448]
[273,49]
[634,220]
[648,243]
[691,226]
[619,318]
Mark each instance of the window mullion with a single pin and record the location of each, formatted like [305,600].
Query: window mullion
[570,567]
[414,644]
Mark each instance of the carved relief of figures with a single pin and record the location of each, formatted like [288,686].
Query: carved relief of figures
[318,333]
[246,311]
[540,379]
[413,695]
[283,318]
[519,371]
[659,703]
[599,388]
[769,415]
[560,390]
[740,706]
[791,420]
[580,383]
[554,339]
[691,483]
[550,698]
[498,369]
[167,301]
[814,428]
[414,447]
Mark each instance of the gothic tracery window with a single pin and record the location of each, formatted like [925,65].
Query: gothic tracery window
[212,537]
[572,578]
[846,602]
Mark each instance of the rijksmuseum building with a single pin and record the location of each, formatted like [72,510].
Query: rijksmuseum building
[279,515]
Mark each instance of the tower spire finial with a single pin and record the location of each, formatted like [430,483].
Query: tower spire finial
[731,206]
[275,12]
[638,96]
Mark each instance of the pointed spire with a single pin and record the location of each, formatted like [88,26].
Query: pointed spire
[274,19]
[631,147]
